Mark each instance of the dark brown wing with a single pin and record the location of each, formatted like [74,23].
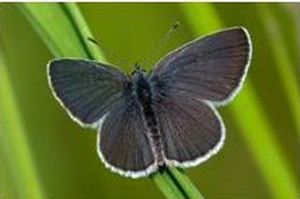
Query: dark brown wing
[210,68]
[123,142]
[85,88]
[191,130]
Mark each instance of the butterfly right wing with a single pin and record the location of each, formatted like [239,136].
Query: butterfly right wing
[210,68]
[186,83]
[87,89]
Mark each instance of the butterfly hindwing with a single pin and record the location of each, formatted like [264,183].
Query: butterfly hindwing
[191,130]
[123,142]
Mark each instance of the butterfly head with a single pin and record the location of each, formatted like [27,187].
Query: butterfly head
[138,72]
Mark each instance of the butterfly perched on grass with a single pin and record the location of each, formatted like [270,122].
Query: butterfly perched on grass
[163,118]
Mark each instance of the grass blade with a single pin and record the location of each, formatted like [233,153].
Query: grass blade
[24,179]
[54,21]
[70,23]
[175,184]
[283,62]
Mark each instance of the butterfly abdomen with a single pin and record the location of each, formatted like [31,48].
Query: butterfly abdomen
[144,97]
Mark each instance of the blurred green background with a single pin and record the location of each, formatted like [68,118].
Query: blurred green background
[43,151]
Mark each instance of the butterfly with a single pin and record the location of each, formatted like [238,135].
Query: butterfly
[163,118]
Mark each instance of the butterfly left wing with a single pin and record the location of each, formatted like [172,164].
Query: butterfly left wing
[87,89]
[123,142]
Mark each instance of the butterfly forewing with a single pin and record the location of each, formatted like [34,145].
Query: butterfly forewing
[87,89]
[210,68]
[123,141]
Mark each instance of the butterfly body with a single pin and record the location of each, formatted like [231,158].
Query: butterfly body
[167,117]
[143,91]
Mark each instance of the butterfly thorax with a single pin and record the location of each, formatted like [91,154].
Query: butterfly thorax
[143,92]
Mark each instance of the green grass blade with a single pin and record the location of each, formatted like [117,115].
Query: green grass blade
[55,21]
[83,30]
[186,183]
[166,186]
[267,153]
[283,62]
[263,146]
[175,184]
[196,17]
[13,140]
[62,28]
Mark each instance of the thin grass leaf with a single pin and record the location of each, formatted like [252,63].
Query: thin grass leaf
[267,153]
[175,184]
[265,149]
[166,186]
[186,184]
[13,140]
[6,188]
[55,21]
[83,31]
[283,62]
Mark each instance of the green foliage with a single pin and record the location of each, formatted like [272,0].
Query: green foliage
[283,60]
[13,141]
[56,21]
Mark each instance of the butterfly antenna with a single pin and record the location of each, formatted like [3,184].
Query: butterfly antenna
[109,52]
[161,42]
